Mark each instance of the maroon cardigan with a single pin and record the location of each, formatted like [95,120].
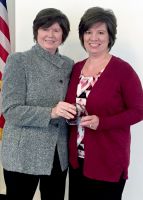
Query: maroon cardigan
[117,99]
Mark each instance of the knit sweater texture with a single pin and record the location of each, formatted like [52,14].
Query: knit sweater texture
[117,99]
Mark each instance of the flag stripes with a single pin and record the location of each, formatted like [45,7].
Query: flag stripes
[4,3]
[4,28]
[4,46]
[5,42]
[3,53]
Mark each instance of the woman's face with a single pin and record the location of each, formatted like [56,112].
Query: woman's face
[50,38]
[96,39]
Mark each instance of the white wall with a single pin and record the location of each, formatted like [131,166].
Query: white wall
[130,30]
[128,46]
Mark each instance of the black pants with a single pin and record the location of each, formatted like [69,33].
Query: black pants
[23,186]
[3,197]
[81,187]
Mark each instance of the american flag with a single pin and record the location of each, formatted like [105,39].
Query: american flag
[4,48]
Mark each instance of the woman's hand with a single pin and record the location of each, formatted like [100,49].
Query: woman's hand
[63,109]
[90,121]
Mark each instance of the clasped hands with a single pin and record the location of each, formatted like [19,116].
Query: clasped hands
[68,111]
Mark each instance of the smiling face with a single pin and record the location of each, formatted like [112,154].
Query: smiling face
[50,38]
[96,39]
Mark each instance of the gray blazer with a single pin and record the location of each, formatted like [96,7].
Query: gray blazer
[33,83]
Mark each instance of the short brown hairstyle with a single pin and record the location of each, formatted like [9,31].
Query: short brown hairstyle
[47,17]
[94,15]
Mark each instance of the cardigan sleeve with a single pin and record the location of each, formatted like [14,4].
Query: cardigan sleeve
[132,95]
[14,105]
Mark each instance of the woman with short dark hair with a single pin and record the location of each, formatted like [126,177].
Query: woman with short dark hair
[46,17]
[95,15]
[110,90]
[34,144]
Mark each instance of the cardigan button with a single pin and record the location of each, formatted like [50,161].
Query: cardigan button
[61,81]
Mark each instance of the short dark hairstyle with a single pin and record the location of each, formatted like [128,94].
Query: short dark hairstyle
[94,15]
[47,17]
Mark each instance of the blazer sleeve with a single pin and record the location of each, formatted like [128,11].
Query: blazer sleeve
[14,105]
